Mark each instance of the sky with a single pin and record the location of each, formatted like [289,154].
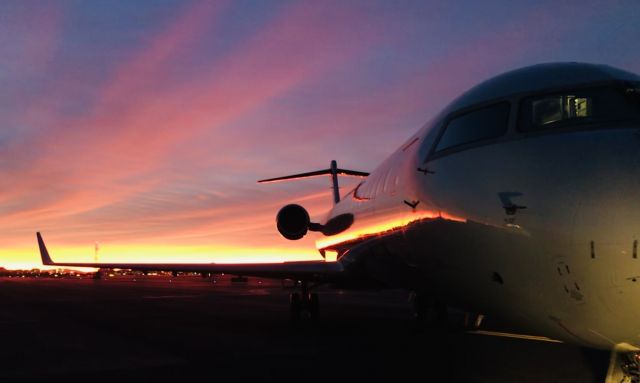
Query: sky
[144,125]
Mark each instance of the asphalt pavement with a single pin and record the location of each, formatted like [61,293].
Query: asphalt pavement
[149,328]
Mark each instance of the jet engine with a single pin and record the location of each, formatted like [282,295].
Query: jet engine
[293,221]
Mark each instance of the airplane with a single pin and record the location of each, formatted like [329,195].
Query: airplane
[518,201]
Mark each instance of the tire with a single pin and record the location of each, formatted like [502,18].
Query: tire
[314,306]
[295,306]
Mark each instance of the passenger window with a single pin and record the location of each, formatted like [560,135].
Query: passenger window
[576,107]
[374,186]
[379,189]
[387,182]
[477,125]
[379,186]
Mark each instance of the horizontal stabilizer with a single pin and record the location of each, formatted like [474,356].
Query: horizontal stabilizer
[333,171]
[341,172]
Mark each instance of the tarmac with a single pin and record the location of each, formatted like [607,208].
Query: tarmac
[159,327]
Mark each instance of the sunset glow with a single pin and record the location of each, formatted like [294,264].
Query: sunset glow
[383,224]
[145,125]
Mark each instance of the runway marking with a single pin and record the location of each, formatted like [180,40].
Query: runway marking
[170,296]
[515,336]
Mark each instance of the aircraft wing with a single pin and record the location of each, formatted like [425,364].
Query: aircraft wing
[307,270]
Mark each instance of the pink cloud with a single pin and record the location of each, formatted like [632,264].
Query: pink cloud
[122,149]
[26,50]
[160,155]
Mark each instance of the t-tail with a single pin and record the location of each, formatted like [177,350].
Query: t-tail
[333,171]
[293,220]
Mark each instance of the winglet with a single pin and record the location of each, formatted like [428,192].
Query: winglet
[44,254]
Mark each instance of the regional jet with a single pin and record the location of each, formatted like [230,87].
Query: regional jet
[519,201]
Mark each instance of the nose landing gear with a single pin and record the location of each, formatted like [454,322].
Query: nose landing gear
[624,367]
[630,366]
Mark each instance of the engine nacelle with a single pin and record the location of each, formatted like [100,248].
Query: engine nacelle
[293,221]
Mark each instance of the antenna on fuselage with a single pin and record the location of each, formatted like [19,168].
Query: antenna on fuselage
[333,171]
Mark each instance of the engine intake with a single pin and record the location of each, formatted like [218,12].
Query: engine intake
[293,221]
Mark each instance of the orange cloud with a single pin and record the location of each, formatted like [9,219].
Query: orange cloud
[162,144]
[118,155]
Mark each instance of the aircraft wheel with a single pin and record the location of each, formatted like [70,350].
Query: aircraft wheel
[314,305]
[295,306]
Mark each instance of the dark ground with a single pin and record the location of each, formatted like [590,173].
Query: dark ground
[185,328]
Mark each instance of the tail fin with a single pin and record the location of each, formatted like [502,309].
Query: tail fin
[333,170]
[44,253]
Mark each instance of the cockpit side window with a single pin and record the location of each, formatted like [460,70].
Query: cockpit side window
[558,108]
[477,125]
[576,107]
[633,94]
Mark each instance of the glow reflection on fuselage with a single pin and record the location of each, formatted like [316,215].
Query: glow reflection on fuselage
[384,225]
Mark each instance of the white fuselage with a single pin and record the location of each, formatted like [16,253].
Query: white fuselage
[565,264]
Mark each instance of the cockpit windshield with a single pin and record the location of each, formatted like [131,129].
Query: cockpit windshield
[585,106]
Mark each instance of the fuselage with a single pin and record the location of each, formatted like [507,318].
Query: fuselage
[533,217]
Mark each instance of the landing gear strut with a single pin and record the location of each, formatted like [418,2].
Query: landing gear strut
[624,367]
[304,304]
[631,367]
